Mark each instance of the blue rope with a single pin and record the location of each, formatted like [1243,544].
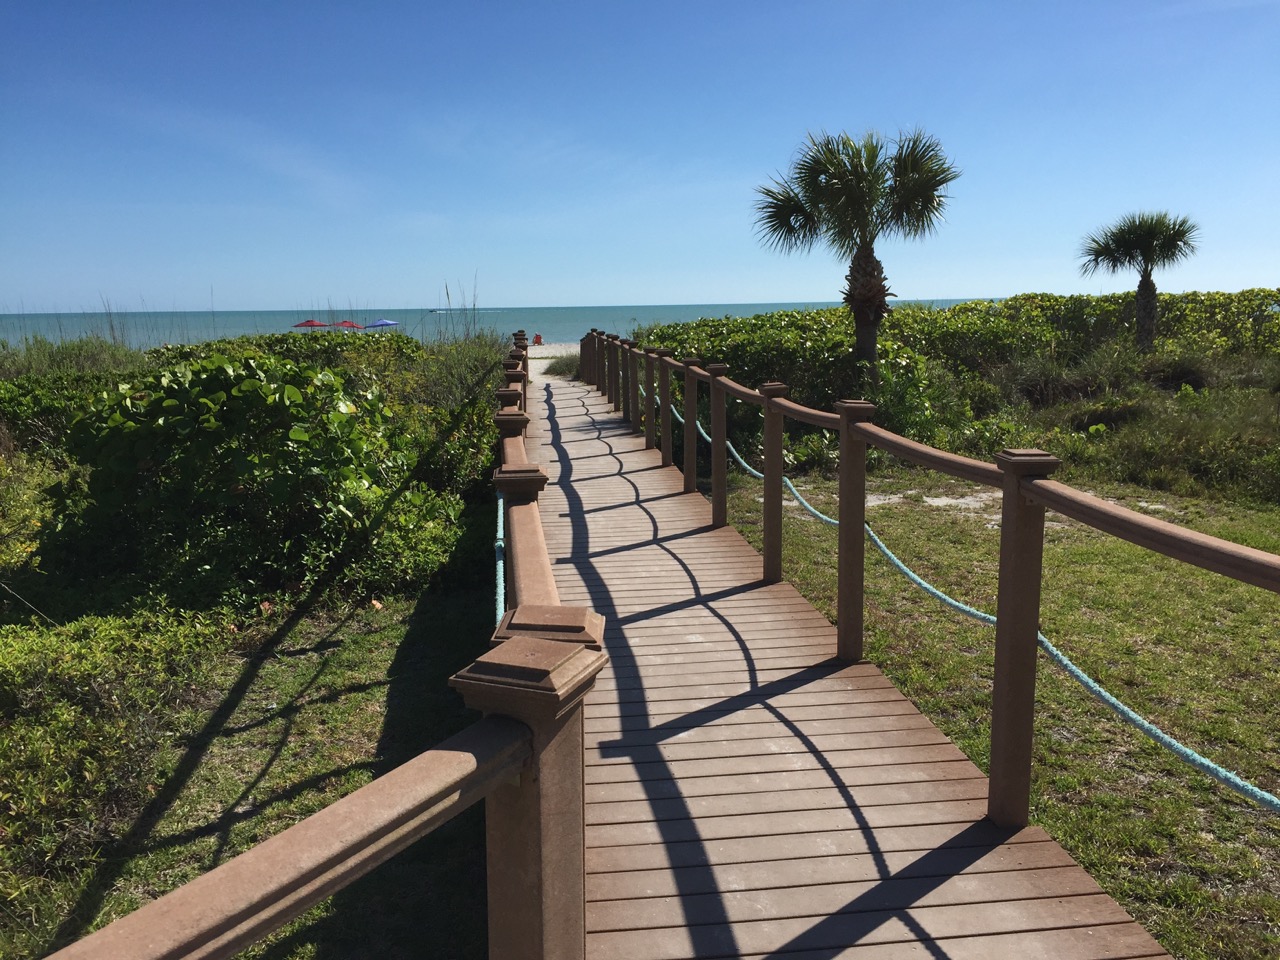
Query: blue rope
[500,556]
[1124,712]
[742,463]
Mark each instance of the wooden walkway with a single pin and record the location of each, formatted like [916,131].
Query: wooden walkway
[747,795]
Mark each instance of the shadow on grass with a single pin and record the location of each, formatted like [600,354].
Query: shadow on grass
[429,900]
[450,627]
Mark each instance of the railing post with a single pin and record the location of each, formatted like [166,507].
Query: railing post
[614,376]
[852,539]
[522,344]
[664,403]
[601,352]
[633,384]
[719,455]
[534,833]
[624,348]
[650,425]
[690,424]
[772,511]
[1013,693]
[586,366]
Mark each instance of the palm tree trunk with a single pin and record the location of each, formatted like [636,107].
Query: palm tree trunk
[1146,306]
[866,294]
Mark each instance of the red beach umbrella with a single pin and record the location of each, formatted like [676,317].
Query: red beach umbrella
[311,324]
[348,325]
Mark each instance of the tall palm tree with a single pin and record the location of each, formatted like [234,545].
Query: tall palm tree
[847,193]
[1142,242]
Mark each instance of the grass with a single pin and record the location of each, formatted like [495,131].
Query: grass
[565,365]
[314,707]
[1196,864]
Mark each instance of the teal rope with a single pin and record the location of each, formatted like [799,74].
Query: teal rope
[500,557]
[1121,710]
[742,463]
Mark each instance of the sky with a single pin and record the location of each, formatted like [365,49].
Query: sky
[257,156]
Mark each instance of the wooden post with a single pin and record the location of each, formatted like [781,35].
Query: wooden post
[719,455]
[612,392]
[522,344]
[852,539]
[664,403]
[600,351]
[633,383]
[650,400]
[772,482]
[586,363]
[627,370]
[690,424]
[1013,694]
[534,834]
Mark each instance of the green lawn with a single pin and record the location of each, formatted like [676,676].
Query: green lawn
[1194,652]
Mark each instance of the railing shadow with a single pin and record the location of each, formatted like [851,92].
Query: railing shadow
[707,917]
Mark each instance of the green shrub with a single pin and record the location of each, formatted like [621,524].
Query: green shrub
[250,473]
[24,507]
[81,705]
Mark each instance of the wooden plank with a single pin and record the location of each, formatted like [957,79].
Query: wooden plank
[842,929]
[748,796]
[813,798]
[849,868]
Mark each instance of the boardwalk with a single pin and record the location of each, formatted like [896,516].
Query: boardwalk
[747,795]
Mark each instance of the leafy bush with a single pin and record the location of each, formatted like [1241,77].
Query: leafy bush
[81,705]
[24,507]
[242,475]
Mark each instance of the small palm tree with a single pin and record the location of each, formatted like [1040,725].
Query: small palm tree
[1142,242]
[848,193]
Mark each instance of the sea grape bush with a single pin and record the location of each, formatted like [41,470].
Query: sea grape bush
[1058,372]
[257,473]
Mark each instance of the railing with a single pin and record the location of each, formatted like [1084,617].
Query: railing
[1022,475]
[524,759]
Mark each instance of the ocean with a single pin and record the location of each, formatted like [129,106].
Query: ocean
[555,324]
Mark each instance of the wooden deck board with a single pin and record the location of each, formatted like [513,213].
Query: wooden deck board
[747,795]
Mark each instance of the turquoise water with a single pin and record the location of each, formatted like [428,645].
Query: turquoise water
[555,324]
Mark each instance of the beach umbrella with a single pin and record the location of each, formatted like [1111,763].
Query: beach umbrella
[348,325]
[381,323]
[311,324]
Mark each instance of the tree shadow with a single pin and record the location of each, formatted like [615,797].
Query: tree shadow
[407,721]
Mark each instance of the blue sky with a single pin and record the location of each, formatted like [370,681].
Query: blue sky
[283,155]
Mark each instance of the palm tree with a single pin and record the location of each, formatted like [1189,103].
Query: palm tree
[1142,242]
[847,193]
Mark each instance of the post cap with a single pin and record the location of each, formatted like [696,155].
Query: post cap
[614,336]
[511,421]
[509,396]
[529,678]
[665,352]
[650,349]
[566,624]
[692,361]
[774,389]
[859,411]
[520,483]
[1023,463]
[717,369]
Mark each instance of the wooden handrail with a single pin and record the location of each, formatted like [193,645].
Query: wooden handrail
[926,456]
[1246,564]
[223,911]
[1022,477]
[524,758]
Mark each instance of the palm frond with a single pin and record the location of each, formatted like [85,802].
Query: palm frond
[783,220]
[921,172]
[1139,241]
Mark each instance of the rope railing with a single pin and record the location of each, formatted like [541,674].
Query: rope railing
[1021,474]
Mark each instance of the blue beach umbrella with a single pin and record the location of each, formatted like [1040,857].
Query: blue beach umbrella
[381,323]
